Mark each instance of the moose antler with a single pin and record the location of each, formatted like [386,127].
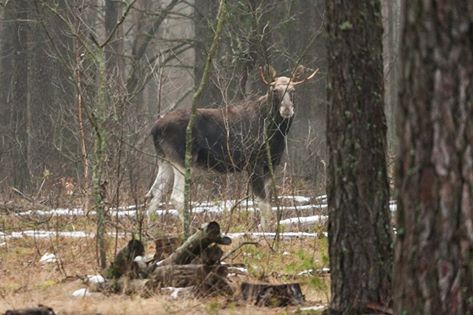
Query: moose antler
[261,73]
[306,79]
[270,72]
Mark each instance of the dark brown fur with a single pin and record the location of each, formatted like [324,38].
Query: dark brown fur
[226,139]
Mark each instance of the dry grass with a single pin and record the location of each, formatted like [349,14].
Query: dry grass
[25,282]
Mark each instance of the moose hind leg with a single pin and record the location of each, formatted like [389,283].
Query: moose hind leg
[177,196]
[260,187]
[160,186]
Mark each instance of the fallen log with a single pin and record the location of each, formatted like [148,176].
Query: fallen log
[195,263]
[273,295]
[210,256]
[207,234]
[123,264]
[165,246]
[206,280]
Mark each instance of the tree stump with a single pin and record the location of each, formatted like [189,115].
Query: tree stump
[273,295]
[40,310]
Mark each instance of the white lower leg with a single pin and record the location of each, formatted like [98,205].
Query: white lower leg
[160,185]
[265,213]
[177,196]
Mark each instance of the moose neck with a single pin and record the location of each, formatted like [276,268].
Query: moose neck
[276,126]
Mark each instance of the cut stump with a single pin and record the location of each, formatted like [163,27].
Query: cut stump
[272,295]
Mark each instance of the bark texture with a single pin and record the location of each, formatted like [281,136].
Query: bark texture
[434,250]
[360,240]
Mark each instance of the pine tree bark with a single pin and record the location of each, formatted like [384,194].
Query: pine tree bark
[360,240]
[434,250]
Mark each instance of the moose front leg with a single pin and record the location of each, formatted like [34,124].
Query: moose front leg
[260,186]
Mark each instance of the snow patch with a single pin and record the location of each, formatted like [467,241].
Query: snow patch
[203,207]
[95,279]
[176,293]
[51,234]
[283,235]
[313,308]
[83,292]
[48,258]
[48,234]
[310,272]
[299,199]
[305,220]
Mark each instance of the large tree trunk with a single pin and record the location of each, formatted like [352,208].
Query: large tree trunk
[434,250]
[360,241]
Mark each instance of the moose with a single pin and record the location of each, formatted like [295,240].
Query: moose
[246,137]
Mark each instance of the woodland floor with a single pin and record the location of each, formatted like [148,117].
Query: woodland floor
[27,282]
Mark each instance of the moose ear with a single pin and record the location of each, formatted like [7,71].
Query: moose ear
[268,74]
[298,74]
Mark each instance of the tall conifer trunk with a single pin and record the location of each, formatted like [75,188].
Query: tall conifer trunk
[434,250]
[360,241]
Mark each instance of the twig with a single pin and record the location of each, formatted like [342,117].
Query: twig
[115,27]
[23,195]
[239,247]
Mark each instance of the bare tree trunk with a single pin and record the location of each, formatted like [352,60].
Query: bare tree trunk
[114,51]
[204,15]
[360,240]
[41,101]
[19,96]
[434,250]
[6,87]
[100,145]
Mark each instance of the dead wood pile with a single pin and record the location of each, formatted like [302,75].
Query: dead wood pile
[196,266]
[195,263]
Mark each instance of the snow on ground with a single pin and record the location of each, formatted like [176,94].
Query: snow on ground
[282,235]
[48,258]
[82,234]
[299,199]
[299,204]
[52,234]
[314,308]
[95,279]
[81,293]
[204,207]
[305,220]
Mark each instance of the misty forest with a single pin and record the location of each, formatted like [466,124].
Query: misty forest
[236,157]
